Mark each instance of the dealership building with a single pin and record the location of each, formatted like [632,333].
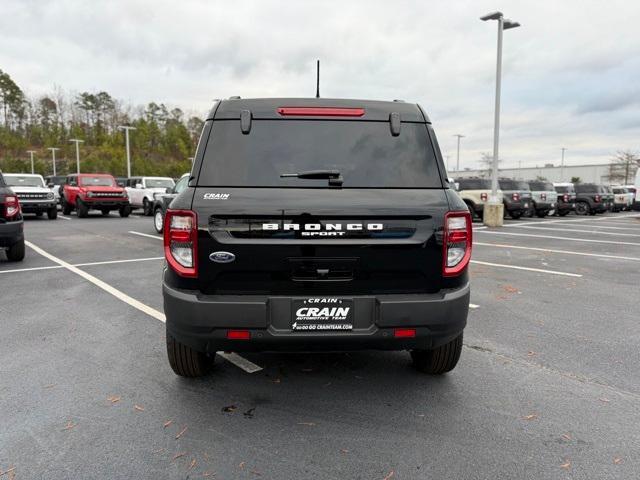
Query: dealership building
[598,173]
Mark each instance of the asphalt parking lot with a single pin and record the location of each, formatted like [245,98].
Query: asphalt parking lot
[548,385]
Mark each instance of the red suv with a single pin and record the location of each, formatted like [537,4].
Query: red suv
[94,191]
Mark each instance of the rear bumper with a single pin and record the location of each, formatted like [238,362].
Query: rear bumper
[201,321]
[564,207]
[11,233]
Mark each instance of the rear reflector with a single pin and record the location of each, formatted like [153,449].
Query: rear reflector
[483,197]
[404,332]
[321,111]
[238,334]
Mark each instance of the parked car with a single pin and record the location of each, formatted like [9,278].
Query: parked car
[142,189]
[607,197]
[121,181]
[566,198]
[316,224]
[94,191]
[543,198]
[590,199]
[633,192]
[55,185]
[11,223]
[475,192]
[622,199]
[516,195]
[34,196]
[161,201]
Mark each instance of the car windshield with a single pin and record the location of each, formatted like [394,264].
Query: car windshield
[564,189]
[96,181]
[513,185]
[366,154]
[159,183]
[55,180]
[23,181]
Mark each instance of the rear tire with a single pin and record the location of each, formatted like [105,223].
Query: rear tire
[438,360]
[83,210]
[582,208]
[52,213]
[66,208]
[186,361]
[158,220]
[124,211]
[147,208]
[16,252]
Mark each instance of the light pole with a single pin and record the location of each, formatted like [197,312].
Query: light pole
[562,165]
[495,203]
[458,156]
[77,142]
[126,129]
[31,152]
[53,157]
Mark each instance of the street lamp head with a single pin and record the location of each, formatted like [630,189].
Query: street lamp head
[492,16]
[507,24]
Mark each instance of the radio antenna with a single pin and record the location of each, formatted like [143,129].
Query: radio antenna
[318,79]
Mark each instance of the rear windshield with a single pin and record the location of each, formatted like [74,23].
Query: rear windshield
[513,185]
[586,188]
[564,189]
[159,183]
[96,181]
[474,184]
[23,181]
[56,180]
[365,153]
[541,186]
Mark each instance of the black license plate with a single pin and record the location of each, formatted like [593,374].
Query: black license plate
[320,314]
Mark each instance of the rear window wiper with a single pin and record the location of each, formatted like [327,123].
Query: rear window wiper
[334,176]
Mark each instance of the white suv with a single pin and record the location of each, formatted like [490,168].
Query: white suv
[142,189]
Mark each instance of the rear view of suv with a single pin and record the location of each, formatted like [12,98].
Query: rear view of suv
[543,197]
[566,198]
[517,197]
[475,192]
[590,199]
[316,224]
[11,223]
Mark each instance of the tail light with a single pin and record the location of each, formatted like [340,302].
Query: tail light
[543,196]
[181,242]
[12,206]
[597,198]
[565,198]
[483,197]
[515,196]
[456,243]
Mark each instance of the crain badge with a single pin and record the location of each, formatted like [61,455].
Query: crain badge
[216,196]
[222,257]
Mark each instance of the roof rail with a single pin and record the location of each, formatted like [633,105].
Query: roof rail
[235,97]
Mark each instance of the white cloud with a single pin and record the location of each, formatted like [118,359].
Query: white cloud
[570,72]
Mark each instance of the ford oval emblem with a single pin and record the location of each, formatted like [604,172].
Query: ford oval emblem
[222,257]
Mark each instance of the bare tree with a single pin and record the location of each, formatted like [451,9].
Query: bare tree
[623,167]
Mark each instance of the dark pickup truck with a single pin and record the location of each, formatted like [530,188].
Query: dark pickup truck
[11,223]
[316,224]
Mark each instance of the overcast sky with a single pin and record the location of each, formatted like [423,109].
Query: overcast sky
[571,72]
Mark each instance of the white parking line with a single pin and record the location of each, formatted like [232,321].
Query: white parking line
[529,269]
[559,238]
[473,306]
[550,250]
[244,364]
[155,237]
[106,262]
[634,229]
[564,220]
[63,217]
[579,231]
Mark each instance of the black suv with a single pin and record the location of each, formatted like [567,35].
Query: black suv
[11,223]
[590,199]
[516,197]
[316,224]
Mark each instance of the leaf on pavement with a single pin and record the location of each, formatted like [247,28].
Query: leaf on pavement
[208,474]
[114,398]
[566,436]
[139,408]
[604,400]
[192,464]
[178,455]
[566,465]
[308,424]
[241,466]
[167,423]
[531,353]
[617,460]
[10,471]
[389,475]
[344,450]
[532,416]
[229,409]
[69,425]
[181,433]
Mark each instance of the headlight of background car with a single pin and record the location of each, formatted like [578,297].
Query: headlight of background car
[89,194]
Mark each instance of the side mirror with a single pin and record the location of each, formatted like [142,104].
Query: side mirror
[138,185]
